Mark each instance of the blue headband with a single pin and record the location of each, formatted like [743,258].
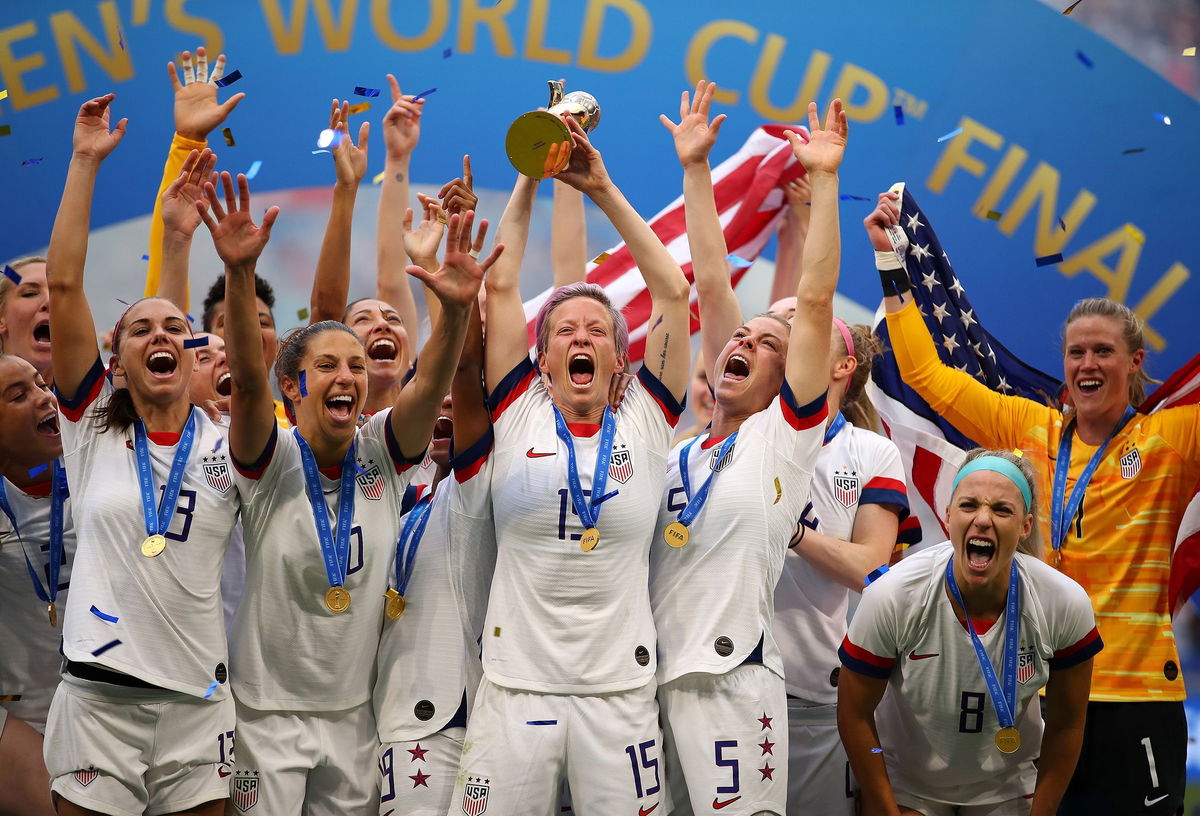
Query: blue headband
[1003,467]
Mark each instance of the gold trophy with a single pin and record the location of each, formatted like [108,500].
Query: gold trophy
[530,136]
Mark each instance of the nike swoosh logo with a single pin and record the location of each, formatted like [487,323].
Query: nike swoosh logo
[1150,801]
[717,805]
[914,656]
[644,811]
[530,453]
[223,772]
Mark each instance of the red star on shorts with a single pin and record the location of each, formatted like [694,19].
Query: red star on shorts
[417,753]
[765,720]
[767,747]
[766,772]
[419,779]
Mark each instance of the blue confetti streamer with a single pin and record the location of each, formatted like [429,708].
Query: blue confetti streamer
[11,274]
[738,261]
[853,198]
[39,160]
[38,470]
[303,384]
[359,90]
[254,168]
[1050,260]
[448,53]
[191,319]
[876,750]
[541,722]
[145,257]
[105,648]
[102,615]
[950,135]
[228,79]
[876,574]
[195,342]
[899,114]
[211,688]
[217,446]
[1084,59]
[424,94]
[1062,224]
[1133,150]
[1162,117]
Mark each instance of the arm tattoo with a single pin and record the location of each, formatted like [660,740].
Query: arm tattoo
[662,356]
[399,177]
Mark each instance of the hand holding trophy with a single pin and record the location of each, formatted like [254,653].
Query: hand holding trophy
[532,135]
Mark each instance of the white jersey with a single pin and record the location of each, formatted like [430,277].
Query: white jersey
[937,723]
[713,597]
[561,620]
[854,468]
[29,644]
[429,656]
[290,652]
[157,619]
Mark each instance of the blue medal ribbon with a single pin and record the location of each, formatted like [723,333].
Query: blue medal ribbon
[588,511]
[696,503]
[834,428]
[334,552]
[1004,699]
[410,541]
[158,517]
[1061,512]
[58,497]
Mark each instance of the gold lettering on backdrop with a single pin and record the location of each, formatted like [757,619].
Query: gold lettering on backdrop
[471,16]
[696,58]
[998,184]
[955,155]
[13,68]
[69,32]
[535,36]
[337,32]
[206,30]
[849,81]
[764,72]
[1157,297]
[1042,187]
[641,32]
[381,21]
[141,12]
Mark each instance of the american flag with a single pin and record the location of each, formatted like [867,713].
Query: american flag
[930,447]
[750,203]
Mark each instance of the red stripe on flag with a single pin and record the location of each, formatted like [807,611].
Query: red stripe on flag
[925,470]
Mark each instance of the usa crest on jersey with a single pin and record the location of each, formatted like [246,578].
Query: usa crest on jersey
[620,467]
[1025,667]
[845,489]
[216,473]
[370,481]
[475,796]
[1131,464]
[718,465]
[86,776]
[244,791]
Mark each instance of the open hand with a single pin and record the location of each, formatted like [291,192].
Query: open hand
[236,237]
[585,170]
[179,213]
[457,283]
[93,139]
[402,123]
[694,135]
[421,244]
[825,147]
[349,159]
[197,112]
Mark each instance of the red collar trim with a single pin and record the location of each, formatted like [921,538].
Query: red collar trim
[41,489]
[980,627]
[583,428]
[331,472]
[712,441]
[165,438]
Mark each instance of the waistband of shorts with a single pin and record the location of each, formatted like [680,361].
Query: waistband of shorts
[97,674]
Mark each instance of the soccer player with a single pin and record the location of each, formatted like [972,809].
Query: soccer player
[139,721]
[963,635]
[25,315]
[307,630]
[848,529]
[37,546]
[1118,483]
[733,494]
[569,641]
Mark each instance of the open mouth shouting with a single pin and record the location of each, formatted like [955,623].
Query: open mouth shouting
[341,407]
[737,368]
[48,426]
[1089,385]
[383,349]
[224,386]
[41,335]
[582,370]
[980,552]
[162,364]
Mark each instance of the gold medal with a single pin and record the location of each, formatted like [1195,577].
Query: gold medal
[591,537]
[153,545]
[676,534]
[395,604]
[337,599]
[1056,561]
[1008,740]
[52,611]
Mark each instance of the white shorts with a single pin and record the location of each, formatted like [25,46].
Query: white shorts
[726,739]
[135,751]
[319,763]
[1011,807]
[416,778]
[819,779]
[520,745]
[32,706]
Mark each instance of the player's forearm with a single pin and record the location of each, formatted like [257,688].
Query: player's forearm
[243,343]
[69,237]
[568,236]
[181,146]
[822,252]
[720,313]
[391,281]
[861,742]
[787,258]
[173,279]
[471,418]
[664,279]
[1060,752]
[331,285]
[846,562]
[419,403]
[513,233]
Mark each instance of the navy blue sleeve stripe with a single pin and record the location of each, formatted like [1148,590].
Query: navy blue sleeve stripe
[880,495]
[861,666]
[662,395]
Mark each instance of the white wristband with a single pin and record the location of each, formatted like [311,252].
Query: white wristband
[887,260]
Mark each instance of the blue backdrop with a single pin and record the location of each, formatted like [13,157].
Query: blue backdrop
[1047,111]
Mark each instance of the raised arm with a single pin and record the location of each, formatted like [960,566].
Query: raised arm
[421,243]
[507,337]
[456,286]
[668,346]
[568,236]
[180,219]
[239,243]
[471,418]
[197,113]
[807,367]
[694,136]
[793,228]
[401,132]
[331,285]
[74,350]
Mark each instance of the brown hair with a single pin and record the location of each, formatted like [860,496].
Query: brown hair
[1032,544]
[856,405]
[295,343]
[1132,332]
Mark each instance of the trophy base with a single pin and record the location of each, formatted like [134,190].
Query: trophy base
[529,139]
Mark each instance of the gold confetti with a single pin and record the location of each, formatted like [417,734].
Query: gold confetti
[778,491]
[1018,453]
[1190,51]
[496,632]
[4,93]
[302,314]
[601,258]
[379,178]
[993,215]
[1136,233]
[360,107]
